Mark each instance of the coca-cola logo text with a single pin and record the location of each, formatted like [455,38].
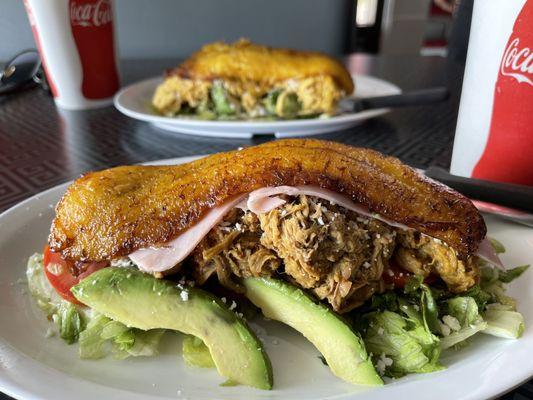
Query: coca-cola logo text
[96,14]
[517,62]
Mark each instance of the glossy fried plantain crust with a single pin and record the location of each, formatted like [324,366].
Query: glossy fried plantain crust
[266,66]
[111,213]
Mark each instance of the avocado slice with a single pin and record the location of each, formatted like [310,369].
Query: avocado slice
[342,348]
[141,301]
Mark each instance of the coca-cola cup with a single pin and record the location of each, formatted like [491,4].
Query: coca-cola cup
[494,136]
[76,41]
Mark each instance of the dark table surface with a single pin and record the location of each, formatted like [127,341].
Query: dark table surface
[41,147]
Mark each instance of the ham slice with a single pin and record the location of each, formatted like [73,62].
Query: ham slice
[486,252]
[265,199]
[160,259]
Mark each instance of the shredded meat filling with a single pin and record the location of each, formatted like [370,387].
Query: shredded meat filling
[422,255]
[335,253]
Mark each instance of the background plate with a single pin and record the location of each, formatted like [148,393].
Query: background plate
[135,100]
[35,367]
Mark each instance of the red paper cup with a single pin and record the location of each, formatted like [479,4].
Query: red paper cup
[76,41]
[494,136]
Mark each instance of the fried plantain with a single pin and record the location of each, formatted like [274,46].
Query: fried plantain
[265,66]
[111,213]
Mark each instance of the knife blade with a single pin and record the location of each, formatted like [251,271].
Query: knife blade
[515,196]
[412,98]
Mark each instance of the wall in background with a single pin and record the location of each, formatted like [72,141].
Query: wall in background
[403,26]
[170,28]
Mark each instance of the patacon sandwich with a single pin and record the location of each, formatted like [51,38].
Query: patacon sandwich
[375,264]
[244,80]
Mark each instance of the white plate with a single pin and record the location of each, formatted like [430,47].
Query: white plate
[135,100]
[35,367]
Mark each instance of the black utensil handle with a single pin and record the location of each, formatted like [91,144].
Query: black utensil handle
[505,194]
[412,98]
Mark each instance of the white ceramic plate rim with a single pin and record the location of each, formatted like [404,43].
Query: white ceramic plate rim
[36,380]
[133,101]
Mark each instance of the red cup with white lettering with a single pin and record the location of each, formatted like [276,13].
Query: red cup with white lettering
[76,41]
[494,136]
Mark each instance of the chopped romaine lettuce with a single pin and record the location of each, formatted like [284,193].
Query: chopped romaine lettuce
[41,290]
[464,309]
[77,323]
[223,103]
[503,323]
[91,343]
[415,288]
[196,353]
[69,321]
[270,101]
[403,340]
[498,247]
[511,274]
[461,321]
[69,318]
[479,295]
[103,332]
[145,343]
[287,105]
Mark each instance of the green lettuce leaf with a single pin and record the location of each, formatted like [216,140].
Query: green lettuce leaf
[513,273]
[144,344]
[416,289]
[91,343]
[69,318]
[497,246]
[401,344]
[480,296]
[503,323]
[464,313]
[104,335]
[69,321]
[39,287]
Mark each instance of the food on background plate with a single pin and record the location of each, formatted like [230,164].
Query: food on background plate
[243,80]
[376,265]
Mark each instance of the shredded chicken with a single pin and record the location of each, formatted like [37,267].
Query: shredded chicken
[170,96]
[233,249]
[423,255]
[335,253]
[317,94]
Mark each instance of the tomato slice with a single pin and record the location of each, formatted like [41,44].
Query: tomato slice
[63,274]
[397,276]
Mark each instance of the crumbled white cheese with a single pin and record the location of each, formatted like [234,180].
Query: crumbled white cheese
[122,262]
[366,264]
[184,295]
[223,299]
[445,329]
[382,363]
[238,227]
[381,331]
[233,305]
[452,322]
[320,220]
